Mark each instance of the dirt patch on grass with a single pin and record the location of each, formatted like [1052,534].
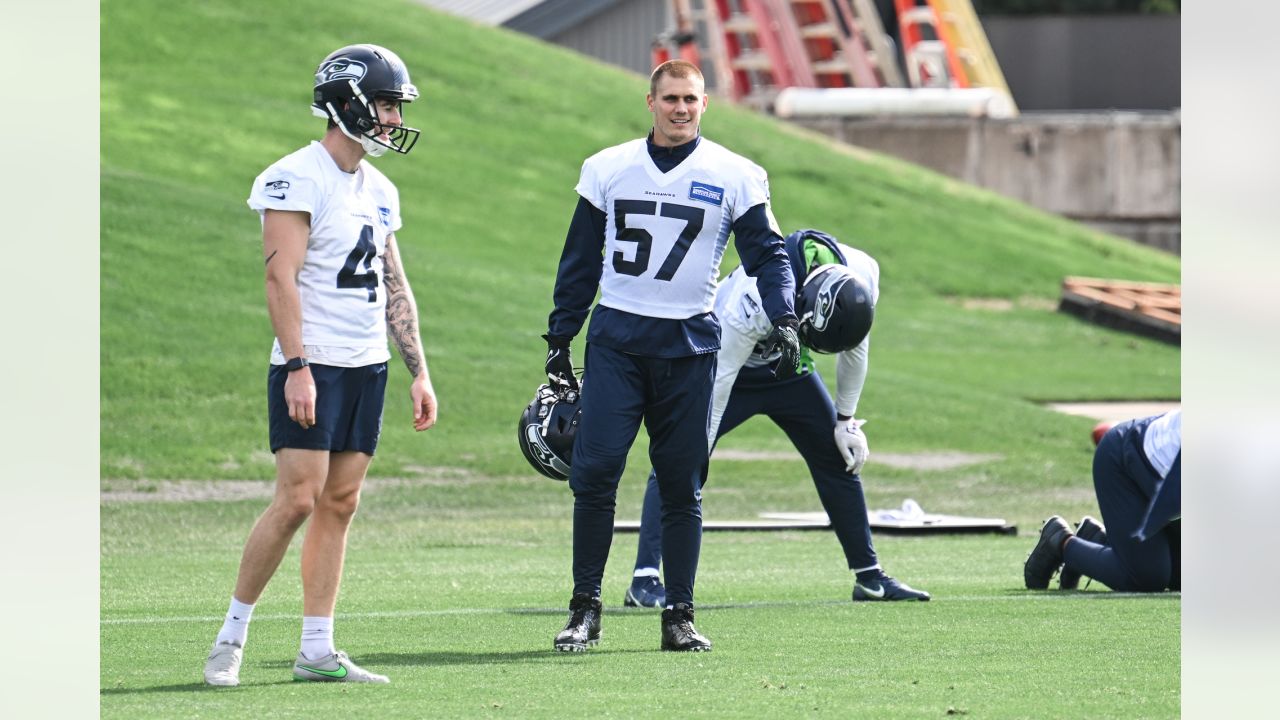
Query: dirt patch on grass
[933,460]
[122,491]
[115,491]
[1004,304]
[1116,411]
[159,491]
[906,461]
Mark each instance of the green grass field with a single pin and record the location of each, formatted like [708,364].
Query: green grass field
[459,562]
[458,604]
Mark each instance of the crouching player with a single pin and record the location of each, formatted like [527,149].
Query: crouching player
[838,290]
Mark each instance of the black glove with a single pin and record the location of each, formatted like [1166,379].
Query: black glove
[785,339]
[559,366]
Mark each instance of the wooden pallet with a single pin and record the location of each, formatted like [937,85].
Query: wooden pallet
[1150,309]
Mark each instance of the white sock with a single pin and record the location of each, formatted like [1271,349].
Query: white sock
[235,627]
[646,572]
[317,637]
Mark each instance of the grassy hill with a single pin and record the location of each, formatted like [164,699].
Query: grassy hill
[196,101]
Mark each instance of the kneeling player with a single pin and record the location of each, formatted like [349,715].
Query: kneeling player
[1137,476]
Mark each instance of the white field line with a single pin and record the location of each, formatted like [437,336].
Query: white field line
[1037,597]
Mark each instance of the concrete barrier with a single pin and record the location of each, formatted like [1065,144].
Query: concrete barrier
[795,102]
[1118,171]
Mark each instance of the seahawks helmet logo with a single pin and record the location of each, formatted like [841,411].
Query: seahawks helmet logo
[341,69]
[825,302]
[541,452]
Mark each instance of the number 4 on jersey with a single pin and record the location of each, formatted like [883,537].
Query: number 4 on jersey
[364,252]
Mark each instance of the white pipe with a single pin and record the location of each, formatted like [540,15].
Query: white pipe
[846,102]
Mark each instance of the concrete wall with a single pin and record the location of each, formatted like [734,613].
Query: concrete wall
[1120,172]
[621,35]
[1089,62]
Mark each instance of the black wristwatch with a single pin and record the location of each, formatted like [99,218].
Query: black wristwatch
[295,364]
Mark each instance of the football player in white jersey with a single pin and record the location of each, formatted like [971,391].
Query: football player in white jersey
[839,288]
[652,221]
[1137,477]
[335,290]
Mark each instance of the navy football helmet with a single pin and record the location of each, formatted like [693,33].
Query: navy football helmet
[546,431]
[836,309]
[349,81]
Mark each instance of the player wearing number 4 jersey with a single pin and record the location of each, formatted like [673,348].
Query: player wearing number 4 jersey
[335,290]
[652,223]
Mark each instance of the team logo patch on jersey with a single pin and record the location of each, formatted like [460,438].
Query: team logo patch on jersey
[341,69]
[709,194]
[385,215]
[275,189]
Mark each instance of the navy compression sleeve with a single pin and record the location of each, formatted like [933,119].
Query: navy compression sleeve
[764,257]
[578,277]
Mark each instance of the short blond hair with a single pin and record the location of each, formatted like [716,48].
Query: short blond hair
[675,69]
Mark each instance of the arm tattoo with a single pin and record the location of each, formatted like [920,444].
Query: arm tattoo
[268,260]
[402,314]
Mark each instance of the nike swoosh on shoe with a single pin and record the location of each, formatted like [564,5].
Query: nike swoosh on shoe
[341,672]
[877,594]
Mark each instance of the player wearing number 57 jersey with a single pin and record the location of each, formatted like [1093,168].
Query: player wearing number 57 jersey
[335,291]
[652,222]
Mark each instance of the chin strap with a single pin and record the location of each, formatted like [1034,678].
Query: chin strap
[370,145]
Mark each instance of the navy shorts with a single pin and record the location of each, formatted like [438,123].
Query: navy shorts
[348,409]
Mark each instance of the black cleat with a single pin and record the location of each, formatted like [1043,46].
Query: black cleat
[1046,556]
[1088,529]
[583,629]
[885,588]
[678,632]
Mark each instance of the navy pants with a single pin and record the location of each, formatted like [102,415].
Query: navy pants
[803,409]
[672,396]
[1125,483]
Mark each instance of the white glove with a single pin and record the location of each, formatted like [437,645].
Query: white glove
[852,444]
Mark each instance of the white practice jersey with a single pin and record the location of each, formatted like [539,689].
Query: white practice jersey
[340,284]
[743,325]
[666,232]
[1163,441]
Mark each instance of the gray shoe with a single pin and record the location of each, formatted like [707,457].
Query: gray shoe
[1046,557]
[333,668]
[222,667]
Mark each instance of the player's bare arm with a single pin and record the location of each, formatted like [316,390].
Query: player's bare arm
[402,311]
[402,326]
[284,248]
